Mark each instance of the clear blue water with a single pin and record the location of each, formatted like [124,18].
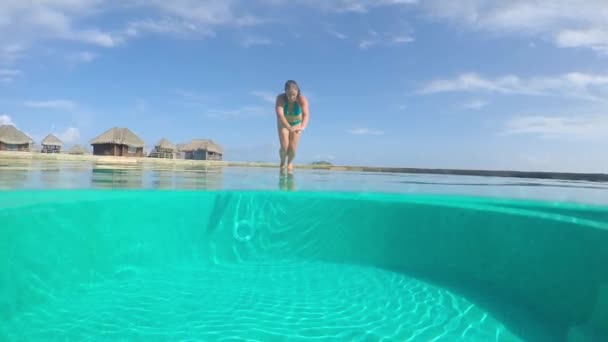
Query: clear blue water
[84,175]
[252,254]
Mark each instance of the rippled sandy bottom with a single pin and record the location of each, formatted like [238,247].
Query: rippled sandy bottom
[278,302]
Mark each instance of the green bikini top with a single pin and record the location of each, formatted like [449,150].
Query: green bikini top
[297,110]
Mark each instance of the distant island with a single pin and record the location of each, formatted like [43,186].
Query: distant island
[322,162]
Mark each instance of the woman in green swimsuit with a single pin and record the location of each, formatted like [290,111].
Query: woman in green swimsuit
[292,117]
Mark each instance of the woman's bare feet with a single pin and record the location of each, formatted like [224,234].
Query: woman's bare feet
[290,167]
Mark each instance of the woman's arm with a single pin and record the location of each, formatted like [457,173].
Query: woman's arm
[279,111]
[304,105]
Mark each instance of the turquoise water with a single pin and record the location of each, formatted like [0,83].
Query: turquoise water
[239,254]
[23,174]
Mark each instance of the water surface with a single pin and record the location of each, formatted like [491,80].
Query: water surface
[84,175]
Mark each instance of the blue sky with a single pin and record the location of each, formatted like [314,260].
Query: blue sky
[430,83]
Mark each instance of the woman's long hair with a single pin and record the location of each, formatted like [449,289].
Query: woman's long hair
[290,83]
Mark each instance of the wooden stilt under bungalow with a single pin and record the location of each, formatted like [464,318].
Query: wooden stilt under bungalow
[51,144]
[164,149]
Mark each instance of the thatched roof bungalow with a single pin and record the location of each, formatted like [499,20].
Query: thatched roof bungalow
[119,142]
[203,149]
[51,144]
[12,139]
[164,149]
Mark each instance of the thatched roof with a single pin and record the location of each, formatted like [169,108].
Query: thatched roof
[51,140]
[202,144]
[118,136]
[78,149]
[165,145]
[9,134]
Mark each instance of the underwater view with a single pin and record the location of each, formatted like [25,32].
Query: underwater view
[221,253]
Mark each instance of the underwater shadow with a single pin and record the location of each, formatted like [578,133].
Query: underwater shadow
[505,307]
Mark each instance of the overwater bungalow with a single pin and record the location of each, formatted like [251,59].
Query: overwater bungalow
[119,142]
[12,139]
[164,149]
[203,149]
[51,144]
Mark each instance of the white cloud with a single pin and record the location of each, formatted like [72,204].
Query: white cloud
[596,39]
[82,57]
[373,38]
[256,41]
[356,6]
[191,17]
[366,43]
[403,39]
[70,136]
[365,131]
[95,37]
[475,104]
[178,27]
[265,96]
[575,84]
[86,56]
[203,13]
[25,23]
[10,51]
[337,34]
[52,104]
[8,75]
[475,82]
[582,23]
[6,120]
[559,127]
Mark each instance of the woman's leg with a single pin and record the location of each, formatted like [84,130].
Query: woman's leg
[284,140]
[294,138]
